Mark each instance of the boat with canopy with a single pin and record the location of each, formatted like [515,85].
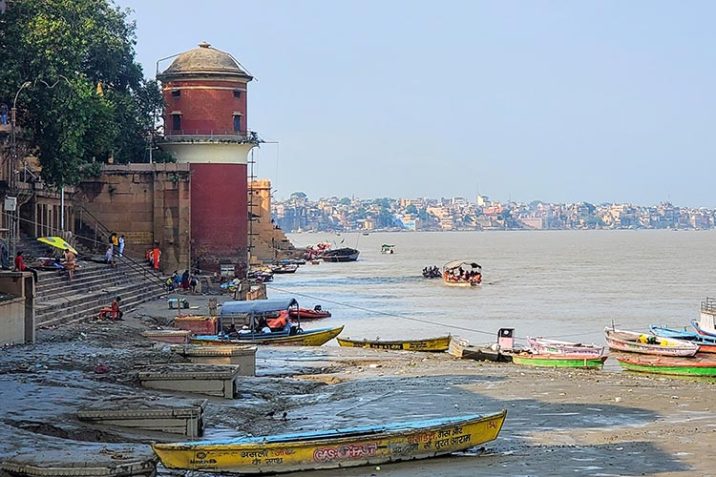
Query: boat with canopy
[462,273]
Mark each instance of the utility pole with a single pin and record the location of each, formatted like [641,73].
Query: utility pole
[11,203]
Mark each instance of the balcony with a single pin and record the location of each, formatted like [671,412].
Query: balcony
[196,136]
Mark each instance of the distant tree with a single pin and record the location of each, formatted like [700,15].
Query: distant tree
[345,201]
[411,209]
[298,196]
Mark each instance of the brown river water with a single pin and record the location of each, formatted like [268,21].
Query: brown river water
[559,284]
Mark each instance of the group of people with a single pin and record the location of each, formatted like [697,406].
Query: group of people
[279,321]
[116,247]
[467,275]
[432,272]
[185,281]
[69,265]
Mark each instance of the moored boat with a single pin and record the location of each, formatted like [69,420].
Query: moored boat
[265,322]
[310,313]
[547,346]
[550,360]
[428,344]
[634,342]
[461,273]
[332,449]
[706,344]
[699,365]
[315,337]
[284,268]
[345,254]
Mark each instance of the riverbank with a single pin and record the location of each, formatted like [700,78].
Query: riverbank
[560,422]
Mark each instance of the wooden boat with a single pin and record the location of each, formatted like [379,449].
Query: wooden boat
[428,344]
[633,342]
[547,346]
[309,313]
[706,325]
[340,255]
[550,360]
[699,365]
[315,337]
[331,449]
[284,268]
[461,348]
[460,273]
[706,344]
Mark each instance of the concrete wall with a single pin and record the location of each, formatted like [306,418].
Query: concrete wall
[146,203]
[17,313]
[268,241]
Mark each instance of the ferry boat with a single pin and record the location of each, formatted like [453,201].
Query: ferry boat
[462,273]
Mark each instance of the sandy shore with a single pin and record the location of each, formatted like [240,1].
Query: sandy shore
[560,422]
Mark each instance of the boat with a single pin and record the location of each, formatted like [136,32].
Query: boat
[432,272]
[706,344]
[634,342]
[284,268]
[706,325]
[316,337]
[387,249]
[310,313]
[699,365]
[460,273]
[551,360]
[547,346]
[345,254]
[265,322]
[428,344]
[333,448]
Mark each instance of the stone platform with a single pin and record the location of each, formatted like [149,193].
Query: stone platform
[192,378]
[168,336]
[243,356]
[163,416]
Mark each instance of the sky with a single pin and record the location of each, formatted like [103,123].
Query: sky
[559,101]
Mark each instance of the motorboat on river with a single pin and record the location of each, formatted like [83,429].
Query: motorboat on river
[462,273]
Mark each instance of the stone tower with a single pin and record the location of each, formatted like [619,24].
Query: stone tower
[205,126]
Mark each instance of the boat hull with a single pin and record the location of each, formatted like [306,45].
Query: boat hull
[309,314]
[461,284]
[628,341]
[432,344]
[559,361]
[307,338]
[333,449]
[545,346]
[696,366]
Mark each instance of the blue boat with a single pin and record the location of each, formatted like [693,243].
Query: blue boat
[681,334]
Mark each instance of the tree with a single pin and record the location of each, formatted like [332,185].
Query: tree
[345,201]
[411,209]
[66,48]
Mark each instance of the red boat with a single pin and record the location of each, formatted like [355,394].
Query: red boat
[308,313]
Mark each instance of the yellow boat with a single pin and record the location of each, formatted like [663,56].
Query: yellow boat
[366,445]
[315,337]
[429,344]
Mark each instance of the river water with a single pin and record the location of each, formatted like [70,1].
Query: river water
[559,284]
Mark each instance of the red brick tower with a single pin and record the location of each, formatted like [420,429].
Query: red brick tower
[205,126]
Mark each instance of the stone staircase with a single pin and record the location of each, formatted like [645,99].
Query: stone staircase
[94,285]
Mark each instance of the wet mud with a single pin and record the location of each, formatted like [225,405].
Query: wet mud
[560,422]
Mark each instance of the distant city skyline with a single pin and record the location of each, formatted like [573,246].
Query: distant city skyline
[548,100]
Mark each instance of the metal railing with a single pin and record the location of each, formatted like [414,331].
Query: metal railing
[202,135]
[709,305]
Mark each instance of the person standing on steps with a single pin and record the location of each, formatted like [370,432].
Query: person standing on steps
[70,263]
[156,254]
[121,245]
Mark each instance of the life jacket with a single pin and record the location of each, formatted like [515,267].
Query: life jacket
[279,322]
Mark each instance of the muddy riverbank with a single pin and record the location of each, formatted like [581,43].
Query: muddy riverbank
[560,422]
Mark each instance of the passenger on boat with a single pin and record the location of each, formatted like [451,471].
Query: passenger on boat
[280,322]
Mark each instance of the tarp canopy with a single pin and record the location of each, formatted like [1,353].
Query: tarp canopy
[256,307]
[57,242]
[465,264]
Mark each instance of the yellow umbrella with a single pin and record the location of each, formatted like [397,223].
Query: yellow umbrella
[57,242]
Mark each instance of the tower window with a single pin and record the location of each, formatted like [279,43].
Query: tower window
[176,122]
[237,93]
[237,122]
[176,93]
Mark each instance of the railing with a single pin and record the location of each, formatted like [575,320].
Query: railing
[201,135]
[709,305]
[100,230]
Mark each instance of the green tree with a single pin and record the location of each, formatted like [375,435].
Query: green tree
[65,48]
[411,209]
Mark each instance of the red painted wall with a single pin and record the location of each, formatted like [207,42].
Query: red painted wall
[219,215]
[208,110]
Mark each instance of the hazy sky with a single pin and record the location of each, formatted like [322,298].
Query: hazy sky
[558,101]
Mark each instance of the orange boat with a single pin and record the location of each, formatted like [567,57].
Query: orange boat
[310,313]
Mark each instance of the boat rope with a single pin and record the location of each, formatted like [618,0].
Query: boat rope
[409,318]
[384,313]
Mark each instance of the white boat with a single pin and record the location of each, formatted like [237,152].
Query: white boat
[547,346]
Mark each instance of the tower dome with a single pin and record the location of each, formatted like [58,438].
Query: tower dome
[204,62]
